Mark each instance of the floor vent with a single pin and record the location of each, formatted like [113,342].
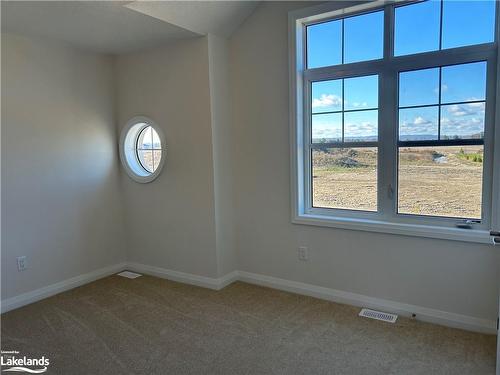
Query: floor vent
[378,315]
[129,275]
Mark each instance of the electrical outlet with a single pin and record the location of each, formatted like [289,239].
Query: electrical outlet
[303,253]
[21,263]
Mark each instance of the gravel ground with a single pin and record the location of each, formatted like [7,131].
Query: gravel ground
[432,181]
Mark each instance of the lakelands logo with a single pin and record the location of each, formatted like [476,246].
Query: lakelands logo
[13,362]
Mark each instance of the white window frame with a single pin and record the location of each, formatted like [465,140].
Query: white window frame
[386,219]
[128,149]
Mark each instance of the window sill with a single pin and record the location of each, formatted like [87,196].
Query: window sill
[427,231]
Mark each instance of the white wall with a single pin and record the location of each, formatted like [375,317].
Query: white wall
[60,194]
[90,213]
[171,221]
[220,106]
[445,275]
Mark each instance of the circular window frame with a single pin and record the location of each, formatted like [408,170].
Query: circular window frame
[128,149]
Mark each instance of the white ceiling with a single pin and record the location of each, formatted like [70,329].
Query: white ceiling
[215,17]
[122,26]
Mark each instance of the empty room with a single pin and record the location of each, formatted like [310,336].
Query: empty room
[250,187]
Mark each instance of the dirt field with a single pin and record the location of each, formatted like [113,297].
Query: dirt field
[440,181]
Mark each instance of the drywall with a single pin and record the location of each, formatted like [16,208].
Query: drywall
[60,193]
[220,108]
[444,275]
[171,221]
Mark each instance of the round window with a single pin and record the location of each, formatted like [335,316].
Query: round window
[142,149]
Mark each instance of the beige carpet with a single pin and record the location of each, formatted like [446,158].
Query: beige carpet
[154,326]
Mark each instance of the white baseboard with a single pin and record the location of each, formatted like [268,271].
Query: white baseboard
[183,277]
[422,313]
[50,290]
[228,279]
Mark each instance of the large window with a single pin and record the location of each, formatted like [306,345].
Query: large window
[393,117]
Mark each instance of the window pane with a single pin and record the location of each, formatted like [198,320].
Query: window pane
[462,121]
[361,92]
[441,181]
[361,126]
[465,82]
[363,37]
[416,124]
[327,128]
[156,139]
[419,87]
[326,96]
[324,44]
[468,22]
[146,159]
[145,139]
[345,178]
[417,28]
[156,159]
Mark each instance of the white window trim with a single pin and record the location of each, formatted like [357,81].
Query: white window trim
[385,221]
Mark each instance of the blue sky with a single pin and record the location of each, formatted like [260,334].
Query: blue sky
[464,23]
[459,83]
[360,124]
[357,30]
[324,42]
[457,120]
[418,121]
[416,30]
[462,120]
[327,96]
[419,87]
[327,126]
[359,93]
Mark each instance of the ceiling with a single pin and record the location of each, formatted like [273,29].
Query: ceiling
[119,27]
[203,17]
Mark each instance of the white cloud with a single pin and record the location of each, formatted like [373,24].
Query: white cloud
[327,133]
[461,126]
[457,110]
[364,128]
[326,101]
[466,109]
[418,125]
[476,105]
[419,120]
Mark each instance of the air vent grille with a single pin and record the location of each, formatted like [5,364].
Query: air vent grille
[378,315]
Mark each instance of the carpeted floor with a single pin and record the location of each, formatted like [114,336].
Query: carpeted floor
[154,326]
